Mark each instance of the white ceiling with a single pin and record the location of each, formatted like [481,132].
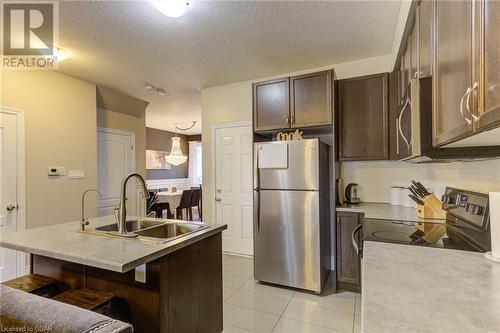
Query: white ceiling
[126,44]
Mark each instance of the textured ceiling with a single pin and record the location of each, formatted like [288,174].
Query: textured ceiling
[125,44]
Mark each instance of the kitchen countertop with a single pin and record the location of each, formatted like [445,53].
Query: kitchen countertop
[423,289]
[385,211]
[65,242]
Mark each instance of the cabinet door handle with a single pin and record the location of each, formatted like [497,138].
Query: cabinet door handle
[467,103]
[462,106]
[397,136]
[400,127]
[293,120]
[353,239]
[287,120]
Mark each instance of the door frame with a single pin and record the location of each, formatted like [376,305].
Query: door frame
[213,160]
[134,166]
[22,268]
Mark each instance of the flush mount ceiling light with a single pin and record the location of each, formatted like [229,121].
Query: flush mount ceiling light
[176,157]
[171,8]
[154,90]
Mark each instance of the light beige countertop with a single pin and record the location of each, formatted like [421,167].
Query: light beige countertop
[423,289]
[65,242]
[385,211]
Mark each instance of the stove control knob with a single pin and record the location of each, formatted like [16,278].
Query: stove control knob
[474,209]
[447,199]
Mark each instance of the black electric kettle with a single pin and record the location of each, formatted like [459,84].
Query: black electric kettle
[351,194]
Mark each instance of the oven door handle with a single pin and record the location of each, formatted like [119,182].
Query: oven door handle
[353,239]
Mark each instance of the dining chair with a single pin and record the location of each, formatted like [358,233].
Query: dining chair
[195,201]
[185,205]
[160,207]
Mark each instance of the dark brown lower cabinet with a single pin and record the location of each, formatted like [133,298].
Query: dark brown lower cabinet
[182,292]
[348,261]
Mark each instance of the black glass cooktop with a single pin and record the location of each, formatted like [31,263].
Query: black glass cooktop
[441,235]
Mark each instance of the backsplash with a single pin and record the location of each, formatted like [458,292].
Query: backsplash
[376,178]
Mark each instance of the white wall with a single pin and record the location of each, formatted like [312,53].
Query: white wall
[376,178]
[233,103]
[222,104]
[60,127]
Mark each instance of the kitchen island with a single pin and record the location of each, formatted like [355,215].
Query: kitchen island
[424,289]
[179,291]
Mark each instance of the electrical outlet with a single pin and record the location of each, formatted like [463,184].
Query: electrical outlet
[140,273]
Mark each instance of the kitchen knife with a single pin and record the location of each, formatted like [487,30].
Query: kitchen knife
[417,200]
[421,188]
[414,192]
[418,192]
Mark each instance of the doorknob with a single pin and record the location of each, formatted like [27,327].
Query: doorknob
[10,208]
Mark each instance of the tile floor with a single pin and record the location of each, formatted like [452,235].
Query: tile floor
[254,307]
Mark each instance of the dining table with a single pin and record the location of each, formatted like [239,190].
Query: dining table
[172,198]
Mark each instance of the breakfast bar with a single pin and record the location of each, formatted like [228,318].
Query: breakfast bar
[168,286]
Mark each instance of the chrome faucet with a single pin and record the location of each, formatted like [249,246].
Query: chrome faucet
[122,227]
[84,221]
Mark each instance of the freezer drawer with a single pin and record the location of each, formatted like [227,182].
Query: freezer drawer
[299,172]
[287,238]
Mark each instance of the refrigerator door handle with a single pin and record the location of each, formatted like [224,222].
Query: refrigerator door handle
[256,167]
[256,209]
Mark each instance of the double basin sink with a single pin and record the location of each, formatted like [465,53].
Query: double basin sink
[155,230]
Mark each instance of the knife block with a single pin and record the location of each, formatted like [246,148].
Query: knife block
[431,209]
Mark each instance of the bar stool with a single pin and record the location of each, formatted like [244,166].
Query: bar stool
[85,298]
[37,284]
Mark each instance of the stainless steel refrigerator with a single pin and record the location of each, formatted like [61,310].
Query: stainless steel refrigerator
[292,213]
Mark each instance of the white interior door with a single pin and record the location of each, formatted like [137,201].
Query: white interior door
[115,159]
[233,187]
[9,195]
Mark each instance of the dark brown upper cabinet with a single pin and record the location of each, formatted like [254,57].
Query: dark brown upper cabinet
[487,108]
[295,102]
[271,105]
[404,70]
[399,119]
[453,63]
[425,38]
[311,99]
[394,99]
[363,118]
[348,261]
[467,70]
[414,50]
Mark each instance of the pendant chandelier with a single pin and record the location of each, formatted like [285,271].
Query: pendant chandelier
[176,157]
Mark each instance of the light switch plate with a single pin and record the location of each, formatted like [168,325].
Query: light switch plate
[140,273]
[76,174]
